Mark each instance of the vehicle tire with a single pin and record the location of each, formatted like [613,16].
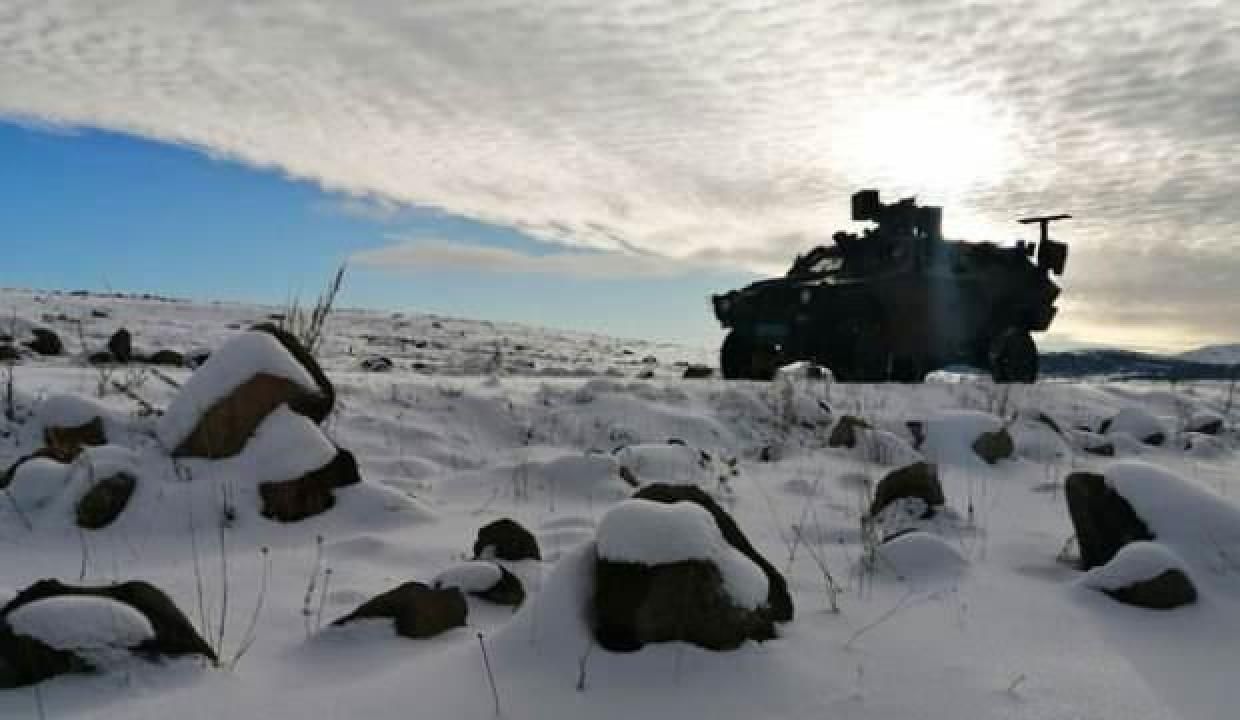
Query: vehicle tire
[741,358]
[908,370]
[871,358]
[1013,357]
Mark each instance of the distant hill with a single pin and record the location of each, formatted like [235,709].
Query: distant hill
[1209,363]
[1216,354]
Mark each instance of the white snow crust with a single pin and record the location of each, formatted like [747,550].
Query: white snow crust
[1135,562]
[236,361]
[67,410]
[950,435]
[285,446]
[69,622]
[1137,423]
[1008,633]
[654,533]
[475,576]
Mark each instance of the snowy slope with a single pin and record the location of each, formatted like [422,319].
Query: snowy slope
[977,619]
[1214,354]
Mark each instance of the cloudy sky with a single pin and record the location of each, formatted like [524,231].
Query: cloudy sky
[611,144]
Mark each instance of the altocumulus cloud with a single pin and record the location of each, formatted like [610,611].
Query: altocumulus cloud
[693,129]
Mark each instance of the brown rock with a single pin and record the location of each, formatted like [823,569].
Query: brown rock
[779,601]
[310,494]
[105,501]
[314,406]
[417,611]
[1103,519]
[170,358]
[1168,590]
[637,604]
[698,372]
[1105,449]
[508,540]
[919,480]
[844,434]
[121,346]
[994,446]
[67,442]
[45,342]
[174,634]
[227,425]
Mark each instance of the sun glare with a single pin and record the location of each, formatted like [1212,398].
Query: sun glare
[940,145]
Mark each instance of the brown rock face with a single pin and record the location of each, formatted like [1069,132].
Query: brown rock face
[174,634]
[637,604]
[779,601]
[1168,590]
[508,540]
[121,346]
[228,424]
[67,442]
[844,434]
[316,406]
[310,494]
[1104,521]
[417,611]
[919,480]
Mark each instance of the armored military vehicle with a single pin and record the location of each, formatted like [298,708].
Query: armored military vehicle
[898,301]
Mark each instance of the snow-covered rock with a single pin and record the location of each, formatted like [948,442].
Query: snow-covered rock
[920,557]
[81,622]
[1137,423]
[652,533]
[223,402]
[1145,574]
[951,434]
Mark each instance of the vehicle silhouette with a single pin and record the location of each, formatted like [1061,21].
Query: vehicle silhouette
[897,302]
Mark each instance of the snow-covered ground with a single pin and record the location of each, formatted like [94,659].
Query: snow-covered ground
[983,617]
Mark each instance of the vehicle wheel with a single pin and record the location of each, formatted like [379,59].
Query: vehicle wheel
[870,357]
[1013,357]
[742,359]
[908,370]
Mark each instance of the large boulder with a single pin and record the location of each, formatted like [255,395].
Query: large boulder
[105,500]
[1104,521]
[917,481]
[416,610]
[310,494]
[665,573]
[779,601]
[506,539]
[44,632]
[121,346]
[224,401]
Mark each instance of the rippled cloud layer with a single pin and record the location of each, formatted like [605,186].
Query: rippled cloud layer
[732,131]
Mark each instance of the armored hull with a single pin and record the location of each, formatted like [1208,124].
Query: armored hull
[896,303]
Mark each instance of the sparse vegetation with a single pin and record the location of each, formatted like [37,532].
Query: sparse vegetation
[309,324]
